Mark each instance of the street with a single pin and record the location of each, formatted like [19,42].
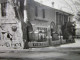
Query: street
[63,52]
[40,56]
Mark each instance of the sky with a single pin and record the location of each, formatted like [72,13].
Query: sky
[72,6]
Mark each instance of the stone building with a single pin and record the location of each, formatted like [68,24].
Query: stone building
[10,26]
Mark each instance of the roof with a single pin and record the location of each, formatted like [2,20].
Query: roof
[48,7]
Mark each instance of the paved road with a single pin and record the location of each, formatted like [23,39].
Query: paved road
[40,56]
[63,52]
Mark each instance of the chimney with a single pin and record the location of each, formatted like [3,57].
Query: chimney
[52,4]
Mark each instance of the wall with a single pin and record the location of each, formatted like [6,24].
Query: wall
[39,20]
[7,22]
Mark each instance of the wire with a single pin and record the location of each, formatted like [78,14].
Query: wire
[69,5]
[74,5]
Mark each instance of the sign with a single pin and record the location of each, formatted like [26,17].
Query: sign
[14,28]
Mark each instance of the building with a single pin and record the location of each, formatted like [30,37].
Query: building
[41,27]
[44,22]
[10,27]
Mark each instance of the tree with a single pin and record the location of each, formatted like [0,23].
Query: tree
[78,16]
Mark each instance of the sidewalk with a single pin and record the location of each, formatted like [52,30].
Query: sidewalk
[65,52]
[41,53]
[65,47]
[72,45]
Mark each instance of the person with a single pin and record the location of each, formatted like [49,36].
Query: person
[25,44]
[59,31]
[65,32]
[73,32]
[63,28]
[9,35]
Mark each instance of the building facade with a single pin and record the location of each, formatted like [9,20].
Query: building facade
[41,28]
[10,27]
[45,22]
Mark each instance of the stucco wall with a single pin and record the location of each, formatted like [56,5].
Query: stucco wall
[39,20]
[8,21]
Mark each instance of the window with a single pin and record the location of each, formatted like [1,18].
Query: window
[36,11]
[16,13]
[3,8]
[41,34]
[61,18]
[65,18]
[43,12]
[56,17]
[61,21]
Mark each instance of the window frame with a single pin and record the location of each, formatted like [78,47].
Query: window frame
[3,9]
[36,11]
[43,13]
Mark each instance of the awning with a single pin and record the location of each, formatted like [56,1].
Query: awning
[2,1]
